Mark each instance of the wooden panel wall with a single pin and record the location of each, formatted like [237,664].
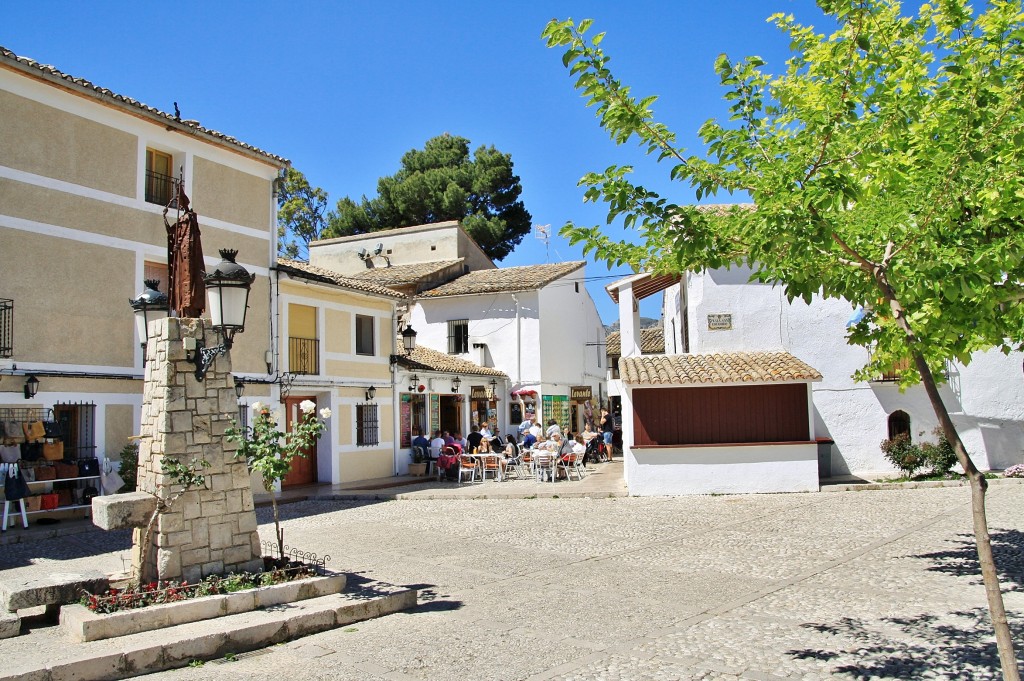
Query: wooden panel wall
[720,415]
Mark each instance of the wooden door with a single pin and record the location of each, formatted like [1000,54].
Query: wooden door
[303,467]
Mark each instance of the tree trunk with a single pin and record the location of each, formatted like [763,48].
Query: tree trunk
[145,546]
[979,485]
[277,527]
[989,575]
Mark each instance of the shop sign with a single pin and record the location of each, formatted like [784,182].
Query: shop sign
[581,393]
[479,392]
[719,322]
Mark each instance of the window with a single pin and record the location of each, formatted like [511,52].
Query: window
[894,372]
[899,423]
[303,343]
[160,181]
[364,334]
[6,327]
[458,336]
[367,430]
[157,271]
[77,426]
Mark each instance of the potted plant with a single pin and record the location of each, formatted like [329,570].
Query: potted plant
[418,467]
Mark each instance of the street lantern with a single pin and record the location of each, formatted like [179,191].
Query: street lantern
[239,388]
[371,392]
[409,339]
[31,387]
[494,388]
[456,384]
[227,297]
[149,305]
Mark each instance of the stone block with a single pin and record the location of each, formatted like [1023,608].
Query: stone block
[191,573]
[171,522]
[235,555]
[214,567]
[220,535]
[196,556]
[94,667]
[181,421]
[10,624]
[169,562]
[233,501]
[214,508]
[57,588]
[122,511]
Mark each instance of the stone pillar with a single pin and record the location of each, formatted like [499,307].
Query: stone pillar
[206,531]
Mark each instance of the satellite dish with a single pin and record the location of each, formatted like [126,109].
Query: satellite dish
[363,253]
[379,249]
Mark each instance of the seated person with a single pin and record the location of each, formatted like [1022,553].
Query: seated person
[485,431]
[529,440]
[511,446]
[437,444]
[553,428]
[536,432]
[587,434]
[497,446]
[448,439]
[474,439]
[420,441]
[460,441]
[579,446]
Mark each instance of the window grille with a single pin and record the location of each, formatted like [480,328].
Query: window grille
[78,428]
[364,335]
[304,355]
[458,336]
[367,428]
[6,327]
[899,424]
[161,185]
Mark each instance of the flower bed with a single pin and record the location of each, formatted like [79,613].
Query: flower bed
[81,623]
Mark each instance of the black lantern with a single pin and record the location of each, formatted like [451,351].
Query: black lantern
[409,339]
[31,387]
[494,388]
[149,305]
[414,381]
[239,388]
[371,392]
[456,384]
[227,299]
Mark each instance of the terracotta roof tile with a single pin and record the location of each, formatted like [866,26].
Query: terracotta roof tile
[718,368]
[505,279]
[652,341]
[428,359]
[400,275]
[306,271]
[187,126]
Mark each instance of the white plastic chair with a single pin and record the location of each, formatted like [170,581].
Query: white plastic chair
[468,466]
[490,463]
[544,466]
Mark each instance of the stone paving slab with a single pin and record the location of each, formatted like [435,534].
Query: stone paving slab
[788,586]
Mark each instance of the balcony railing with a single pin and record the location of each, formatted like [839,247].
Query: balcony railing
[303,355]
[6,327]
[161,189]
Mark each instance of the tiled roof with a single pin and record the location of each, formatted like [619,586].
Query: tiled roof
[652,341]
[428,359]
[718,368]
[505,279]
[190,127]
[306,271]
[429,227]
[401,275]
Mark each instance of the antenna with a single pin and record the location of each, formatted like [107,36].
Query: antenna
[543,232]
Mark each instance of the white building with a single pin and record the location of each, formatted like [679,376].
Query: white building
[536,325]
[718,318]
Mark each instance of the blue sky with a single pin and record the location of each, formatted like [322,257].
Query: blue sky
[343,89]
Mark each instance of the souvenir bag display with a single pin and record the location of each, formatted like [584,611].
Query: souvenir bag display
[89,468]
[48,502]
[15,486]
[88,494]
[32,503]
[65,497]
[53,451]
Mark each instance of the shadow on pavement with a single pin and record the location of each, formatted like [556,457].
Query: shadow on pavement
[962,560]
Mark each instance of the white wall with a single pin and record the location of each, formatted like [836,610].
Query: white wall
[571,336]
[985,398]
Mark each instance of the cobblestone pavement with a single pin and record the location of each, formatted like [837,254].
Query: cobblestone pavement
[866,585]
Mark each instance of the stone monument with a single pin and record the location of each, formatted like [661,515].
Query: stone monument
[206,531]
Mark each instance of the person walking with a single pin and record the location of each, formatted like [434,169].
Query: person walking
[607,432]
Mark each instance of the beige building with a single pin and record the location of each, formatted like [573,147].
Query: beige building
[84,177]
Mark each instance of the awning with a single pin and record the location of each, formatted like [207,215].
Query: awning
[524,393]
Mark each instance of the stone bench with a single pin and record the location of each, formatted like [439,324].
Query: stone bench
[52,591]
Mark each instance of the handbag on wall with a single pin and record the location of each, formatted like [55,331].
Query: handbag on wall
[52,429]
[32,503]
[34,430]
[13,432]
[65,497]
[10,453]
[49,501]
[66,470]
[31,451]
[15,486]
[89,468]
[45,473]
[53,451]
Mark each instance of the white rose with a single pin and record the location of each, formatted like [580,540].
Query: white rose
[307,406]
[325,413]
[257,406]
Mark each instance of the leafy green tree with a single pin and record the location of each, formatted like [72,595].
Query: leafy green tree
[885,166]
[269,452]
[301,215]
[441,182]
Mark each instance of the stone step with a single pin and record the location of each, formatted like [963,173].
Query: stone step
[173,647]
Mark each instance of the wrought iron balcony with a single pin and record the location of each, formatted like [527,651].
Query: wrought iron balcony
[161,189]
[303,355]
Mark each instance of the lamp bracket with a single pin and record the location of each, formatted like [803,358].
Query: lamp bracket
[203,357]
